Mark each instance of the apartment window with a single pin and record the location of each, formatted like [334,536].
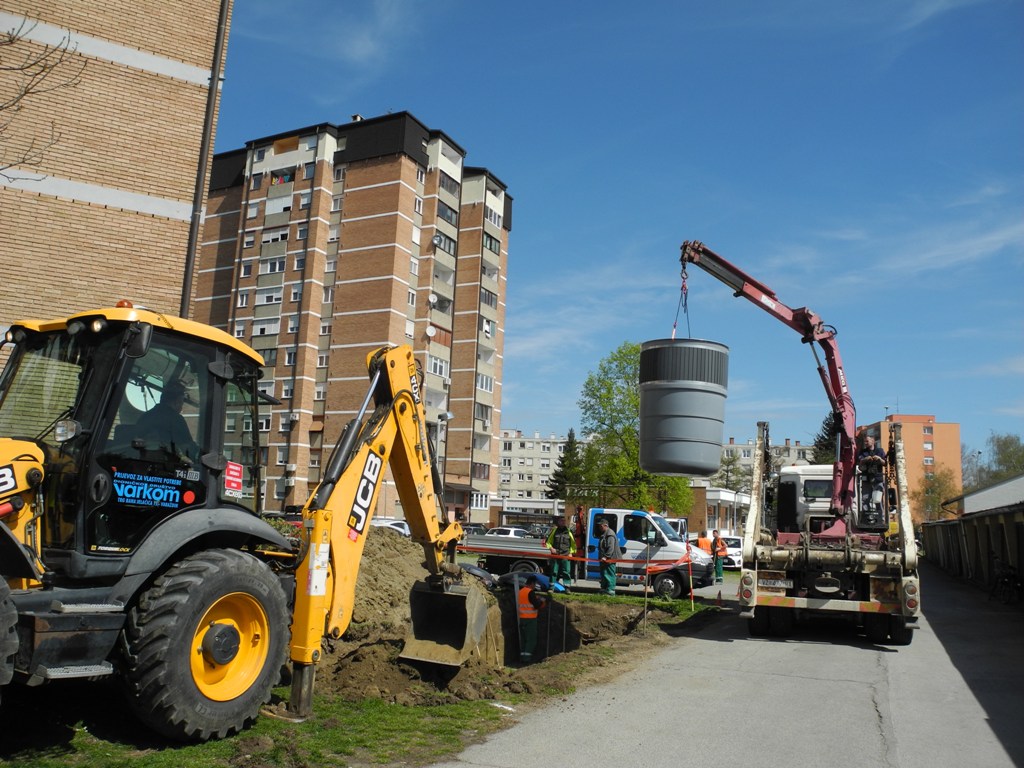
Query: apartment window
[308,170]
[417,205]
[414,266]
[268,295]
[321,361]
[303,231]
[928,461]
[282,176]
[314,460]
[506,462]
[448,184]
[927,430]
[492,243]
[325,329]
[332,233]
[492,216]
[421,176]
[248,239]
[437,365]
[269,359]
[304,199]
[486,326]
[264,423]
[929,446]
[321,392]
[481,411]
[261,154]
[411,298]
[410,329]
[308,142]
[445,243]
[484,383]
[252,211]
[300,262]
[331,265]
[289,357]
[339,173]
[287,390]
[545,463]
[278,235]
[328,294]
[507,445]
[336,203]
[447,213]
[257,178]
[279,205]
[239,330]
[545,447]
[293,324]
[297,292]
[271,266]
[243,299]
[489,298]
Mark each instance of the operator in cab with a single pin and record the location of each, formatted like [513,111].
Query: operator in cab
[164,423]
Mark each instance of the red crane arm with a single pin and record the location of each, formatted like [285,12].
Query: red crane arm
[812,331]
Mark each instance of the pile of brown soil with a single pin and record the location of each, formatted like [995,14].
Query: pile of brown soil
[365,662]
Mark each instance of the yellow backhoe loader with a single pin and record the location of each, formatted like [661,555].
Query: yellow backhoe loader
[131,536]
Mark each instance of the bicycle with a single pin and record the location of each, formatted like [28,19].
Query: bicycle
[1007,587]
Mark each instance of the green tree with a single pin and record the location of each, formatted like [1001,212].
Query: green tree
[824,450]
[732,475]
[610,416]
[568,469]
[937,487]
[1006,460]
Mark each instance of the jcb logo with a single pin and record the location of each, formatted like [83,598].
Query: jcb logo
[414,385]
[7,481]
[364,492]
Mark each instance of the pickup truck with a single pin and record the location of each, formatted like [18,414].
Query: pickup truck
[653,553]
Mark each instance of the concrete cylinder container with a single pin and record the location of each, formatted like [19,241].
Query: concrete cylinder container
[683,384]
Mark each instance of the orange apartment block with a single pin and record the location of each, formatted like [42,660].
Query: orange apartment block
[105,212]
[928,446]
[324,243]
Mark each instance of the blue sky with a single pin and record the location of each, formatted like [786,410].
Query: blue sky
[863,159]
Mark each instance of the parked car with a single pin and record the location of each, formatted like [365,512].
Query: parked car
[507,531]
[734,558]
[474,529]
[393,523]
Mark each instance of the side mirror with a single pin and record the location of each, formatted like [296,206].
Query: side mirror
[138,344]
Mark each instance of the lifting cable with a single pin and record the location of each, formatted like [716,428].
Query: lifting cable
[683,291]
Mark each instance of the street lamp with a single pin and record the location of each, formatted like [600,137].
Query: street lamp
[443,418]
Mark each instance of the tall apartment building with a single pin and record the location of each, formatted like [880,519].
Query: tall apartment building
[104,213]
[928,446]
[526,464]
[323,244]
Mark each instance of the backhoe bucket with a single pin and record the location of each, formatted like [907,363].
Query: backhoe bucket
[446,626]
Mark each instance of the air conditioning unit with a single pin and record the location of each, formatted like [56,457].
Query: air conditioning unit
[289,481]
[487,423]
[290,467]
[293,417]
[447,382]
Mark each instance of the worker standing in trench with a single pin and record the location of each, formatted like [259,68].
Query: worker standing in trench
[528,606]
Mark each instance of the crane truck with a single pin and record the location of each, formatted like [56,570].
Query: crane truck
[855,556]
[132,542]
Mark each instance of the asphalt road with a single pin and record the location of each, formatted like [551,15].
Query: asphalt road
[826,696]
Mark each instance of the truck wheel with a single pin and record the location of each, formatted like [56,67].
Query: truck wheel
[668,585]
[876,627]
[757,625]
[8,634]
[524,566]
[899,632]
[205,645]
[780,622]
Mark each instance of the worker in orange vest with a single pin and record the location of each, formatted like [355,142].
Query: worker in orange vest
[528,606]
[704,542]
[719,551]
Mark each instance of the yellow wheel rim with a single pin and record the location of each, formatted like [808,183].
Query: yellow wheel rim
[235,613]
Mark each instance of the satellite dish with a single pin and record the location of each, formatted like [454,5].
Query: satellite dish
[432,299]
[431,330]
[436,240]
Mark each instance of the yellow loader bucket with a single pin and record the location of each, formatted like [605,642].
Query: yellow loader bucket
[446,626]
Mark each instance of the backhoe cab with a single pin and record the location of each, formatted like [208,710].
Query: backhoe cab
[131,536]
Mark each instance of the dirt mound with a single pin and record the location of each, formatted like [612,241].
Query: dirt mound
[364,663]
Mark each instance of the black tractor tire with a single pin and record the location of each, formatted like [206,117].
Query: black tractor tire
[204,646]
[757,625]
[900,632]
[8,634]
[669,585]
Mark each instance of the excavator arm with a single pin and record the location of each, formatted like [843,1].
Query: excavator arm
[812,331]
[336,520]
